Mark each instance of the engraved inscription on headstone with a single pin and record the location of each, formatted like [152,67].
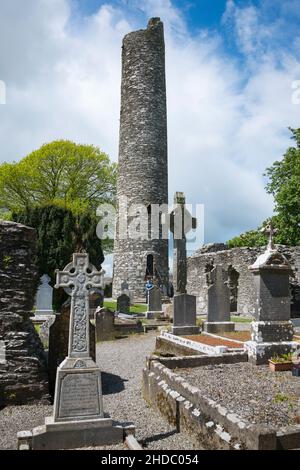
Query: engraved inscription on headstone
[79,395]
[277,285]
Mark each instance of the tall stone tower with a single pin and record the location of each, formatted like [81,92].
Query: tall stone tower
[143,155]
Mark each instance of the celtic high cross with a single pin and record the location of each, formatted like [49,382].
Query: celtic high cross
[77,279]
[181,222]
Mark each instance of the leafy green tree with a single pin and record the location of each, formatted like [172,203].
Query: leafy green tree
[284,185]
[60,233]
[78,176]
[248,239]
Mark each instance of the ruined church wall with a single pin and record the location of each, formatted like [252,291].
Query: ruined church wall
[23,375]
[240,259]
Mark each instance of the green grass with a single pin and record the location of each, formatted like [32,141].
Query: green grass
[136,308]
[281,397]
[241,319]
[37,328]
[233,318]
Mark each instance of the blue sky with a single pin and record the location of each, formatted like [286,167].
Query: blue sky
[203,13]
[230,70]
[208,14]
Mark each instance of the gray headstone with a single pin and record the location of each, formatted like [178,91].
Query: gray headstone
[184,319]
[184,310]
[218,296]
[123,304]
[104,323]
[44,297]
[154,302]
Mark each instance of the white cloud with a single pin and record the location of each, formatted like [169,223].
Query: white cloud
[227,120]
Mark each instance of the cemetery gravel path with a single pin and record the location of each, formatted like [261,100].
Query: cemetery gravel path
[122,362]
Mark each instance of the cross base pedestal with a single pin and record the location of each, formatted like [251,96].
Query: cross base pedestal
[260,353]
[78,391]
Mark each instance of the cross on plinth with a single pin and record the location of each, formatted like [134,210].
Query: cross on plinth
[181,223]
[78,418]
[77,279]
[271,231]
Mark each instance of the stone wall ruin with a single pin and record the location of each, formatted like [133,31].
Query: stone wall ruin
[23,375]
[241,283]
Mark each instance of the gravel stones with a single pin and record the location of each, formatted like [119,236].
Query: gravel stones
[253,392]
[121,362]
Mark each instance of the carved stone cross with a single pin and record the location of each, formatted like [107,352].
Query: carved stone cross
[77,279]
[270,231]
[181,223]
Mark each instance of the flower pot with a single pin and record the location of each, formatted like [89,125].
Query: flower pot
[280,366]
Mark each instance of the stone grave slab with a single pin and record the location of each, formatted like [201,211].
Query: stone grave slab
[184,316]
[154,301]
[218,306]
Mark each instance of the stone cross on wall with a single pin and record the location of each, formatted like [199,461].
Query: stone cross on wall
[270,231]
[181,223]
[77,279]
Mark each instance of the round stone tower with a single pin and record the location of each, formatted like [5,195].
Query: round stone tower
[143,157]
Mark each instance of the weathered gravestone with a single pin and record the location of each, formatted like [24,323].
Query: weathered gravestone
[108,326]
[58,340]
[44,296]
[78,418]
[123,304]
[154,302]
[218,302]
[184,316]
[272,330]
[104,323]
